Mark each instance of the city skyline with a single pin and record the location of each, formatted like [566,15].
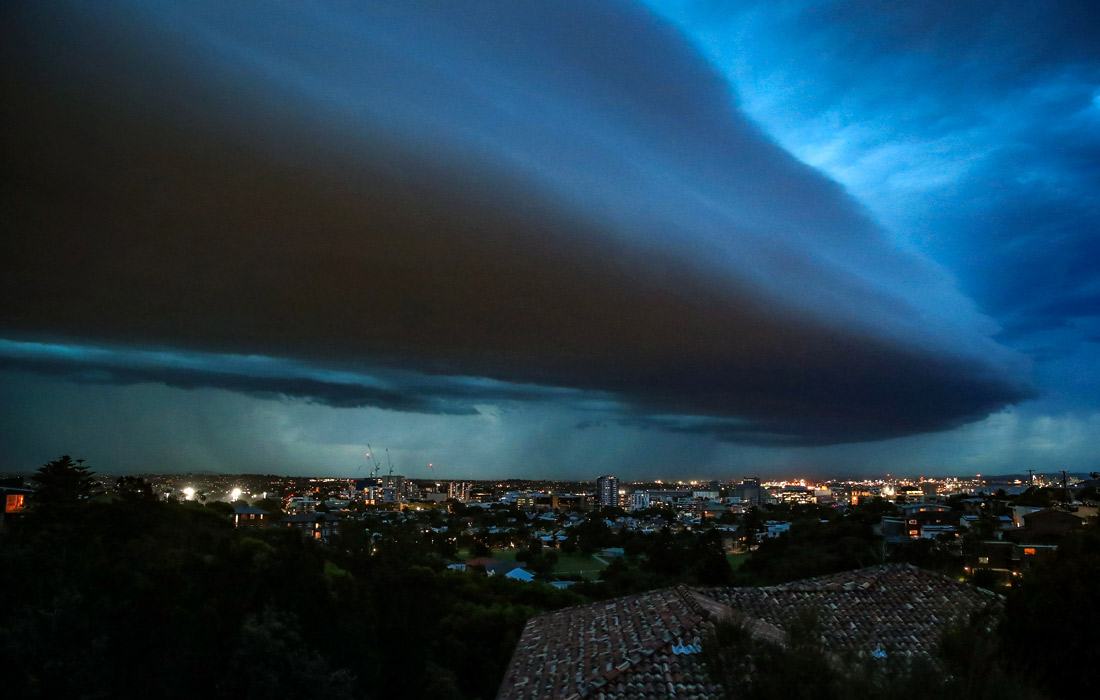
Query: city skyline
[651,239]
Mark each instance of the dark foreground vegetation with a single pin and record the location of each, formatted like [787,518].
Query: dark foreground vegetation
[141,598]
[135,597]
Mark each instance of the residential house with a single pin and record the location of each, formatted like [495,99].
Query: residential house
[318,526]
[250,516]
[15,500]
[993,556]
[647,646]
[1047,525]
[509,569]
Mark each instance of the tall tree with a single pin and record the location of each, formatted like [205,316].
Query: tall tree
[61,483]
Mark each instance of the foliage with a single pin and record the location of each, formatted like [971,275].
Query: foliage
[62,483]
[811,548]
[1053,614]
[538,559]
[135,487]
[968,666]
[137,598]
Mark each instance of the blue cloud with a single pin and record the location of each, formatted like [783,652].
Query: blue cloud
[563,195]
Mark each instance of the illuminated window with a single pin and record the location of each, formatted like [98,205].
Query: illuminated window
[983,560]
[1029,551]
[14,503]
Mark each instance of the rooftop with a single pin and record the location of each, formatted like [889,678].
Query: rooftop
[644,646]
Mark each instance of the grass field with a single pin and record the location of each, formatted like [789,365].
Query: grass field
[736,560]
[586,565]
[568,564]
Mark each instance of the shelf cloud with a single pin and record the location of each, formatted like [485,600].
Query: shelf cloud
[473,200]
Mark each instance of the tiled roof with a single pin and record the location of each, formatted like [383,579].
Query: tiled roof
[249,510]
[633,648]
[613,649]
[895,608]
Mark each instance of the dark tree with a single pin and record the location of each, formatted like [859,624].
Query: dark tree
[135,487]
[62,483]
[1052,621]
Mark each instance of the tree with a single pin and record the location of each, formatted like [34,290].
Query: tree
[1052,615]
[751,524]
[62,483]
[220,507]
[711,568]
[273,659]
[136,488]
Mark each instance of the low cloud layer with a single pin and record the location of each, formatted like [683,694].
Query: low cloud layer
[562,195]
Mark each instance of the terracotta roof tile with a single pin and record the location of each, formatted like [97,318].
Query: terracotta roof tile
[626,649]
[898,608]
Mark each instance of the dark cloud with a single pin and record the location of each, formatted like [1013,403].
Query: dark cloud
[266,377]
[328,393]
[562,196]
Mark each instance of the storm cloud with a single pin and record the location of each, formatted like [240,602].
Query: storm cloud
[560,195]
[971,128]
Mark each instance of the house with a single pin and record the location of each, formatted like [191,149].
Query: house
[1024,556]
[909,510]
[930,523]
[647,646]
[1047,525]
[15,500]
[481,563]
[893,529]
[520,574]
[300,504]
[775,529]
[994,556]
[318,526]
[1018,513]
[249,516]
[509,569]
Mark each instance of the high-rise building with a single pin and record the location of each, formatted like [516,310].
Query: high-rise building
[607,491]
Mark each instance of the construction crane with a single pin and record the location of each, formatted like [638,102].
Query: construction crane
[370,454]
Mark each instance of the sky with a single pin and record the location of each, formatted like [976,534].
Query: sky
[663,239]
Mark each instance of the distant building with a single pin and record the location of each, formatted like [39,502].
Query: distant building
[670,497]
[319,526]
[248,516]
[393,488]
[797,495]
[607,491]
[459,490]
[750,491]
[639,500]
[301,504]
